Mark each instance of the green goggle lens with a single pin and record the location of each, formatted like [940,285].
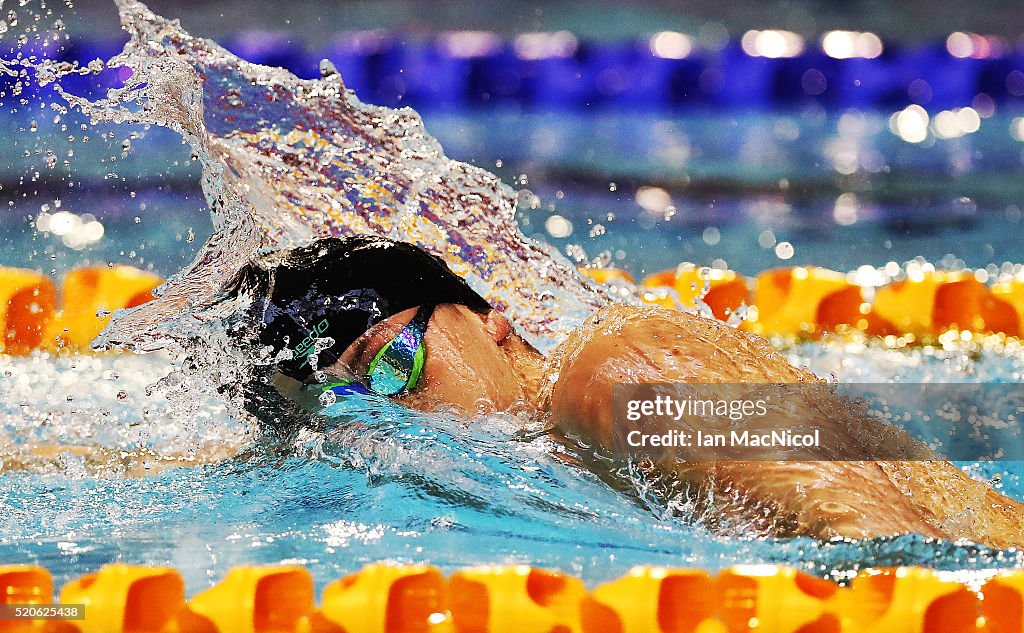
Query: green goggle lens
[398,365]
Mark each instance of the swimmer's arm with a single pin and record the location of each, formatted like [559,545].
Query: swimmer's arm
[98,460]
[827,498]
[624,344]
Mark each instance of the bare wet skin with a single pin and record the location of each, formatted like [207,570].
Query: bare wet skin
[858,499]
[105,462]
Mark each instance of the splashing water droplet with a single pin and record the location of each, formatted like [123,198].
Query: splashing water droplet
[327,68]
[348,168]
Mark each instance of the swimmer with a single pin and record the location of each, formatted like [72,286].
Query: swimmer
[384,317]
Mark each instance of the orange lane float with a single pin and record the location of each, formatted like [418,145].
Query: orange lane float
[913,600]
[125,598]
[799,301]
[515,599]
[811,300]
[383,598]
[29,318]
[929,303]
[652,599]
[263,599]
[89,295]
[24,585]
[27,304]
[722,290]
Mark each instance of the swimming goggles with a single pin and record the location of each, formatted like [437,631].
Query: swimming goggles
[397,367]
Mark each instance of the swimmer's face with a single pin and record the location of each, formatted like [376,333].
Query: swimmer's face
[465,366]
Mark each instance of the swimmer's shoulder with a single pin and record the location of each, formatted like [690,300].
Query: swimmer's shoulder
[652,324]
[672,345]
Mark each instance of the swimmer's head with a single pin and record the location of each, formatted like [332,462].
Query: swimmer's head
[315,301]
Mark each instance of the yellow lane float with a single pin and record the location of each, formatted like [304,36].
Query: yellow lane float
[514,599]
[607,275]
[1012,292]
[913,600]
[126,598]
[772,598]
[264,599]
[384,598]
[29,318]
[652,599]
[799,301]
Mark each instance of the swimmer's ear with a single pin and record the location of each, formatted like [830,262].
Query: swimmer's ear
[496,325]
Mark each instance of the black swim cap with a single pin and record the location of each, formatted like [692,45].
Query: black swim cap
[338,288]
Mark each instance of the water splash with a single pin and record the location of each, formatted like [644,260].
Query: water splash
[286,160]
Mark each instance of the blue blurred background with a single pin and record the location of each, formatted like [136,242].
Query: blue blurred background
[744,134]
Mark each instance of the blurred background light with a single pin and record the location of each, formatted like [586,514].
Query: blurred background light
[772,43]
[671,45]
[847,44]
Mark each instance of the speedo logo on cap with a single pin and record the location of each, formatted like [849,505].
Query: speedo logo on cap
[306,345]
